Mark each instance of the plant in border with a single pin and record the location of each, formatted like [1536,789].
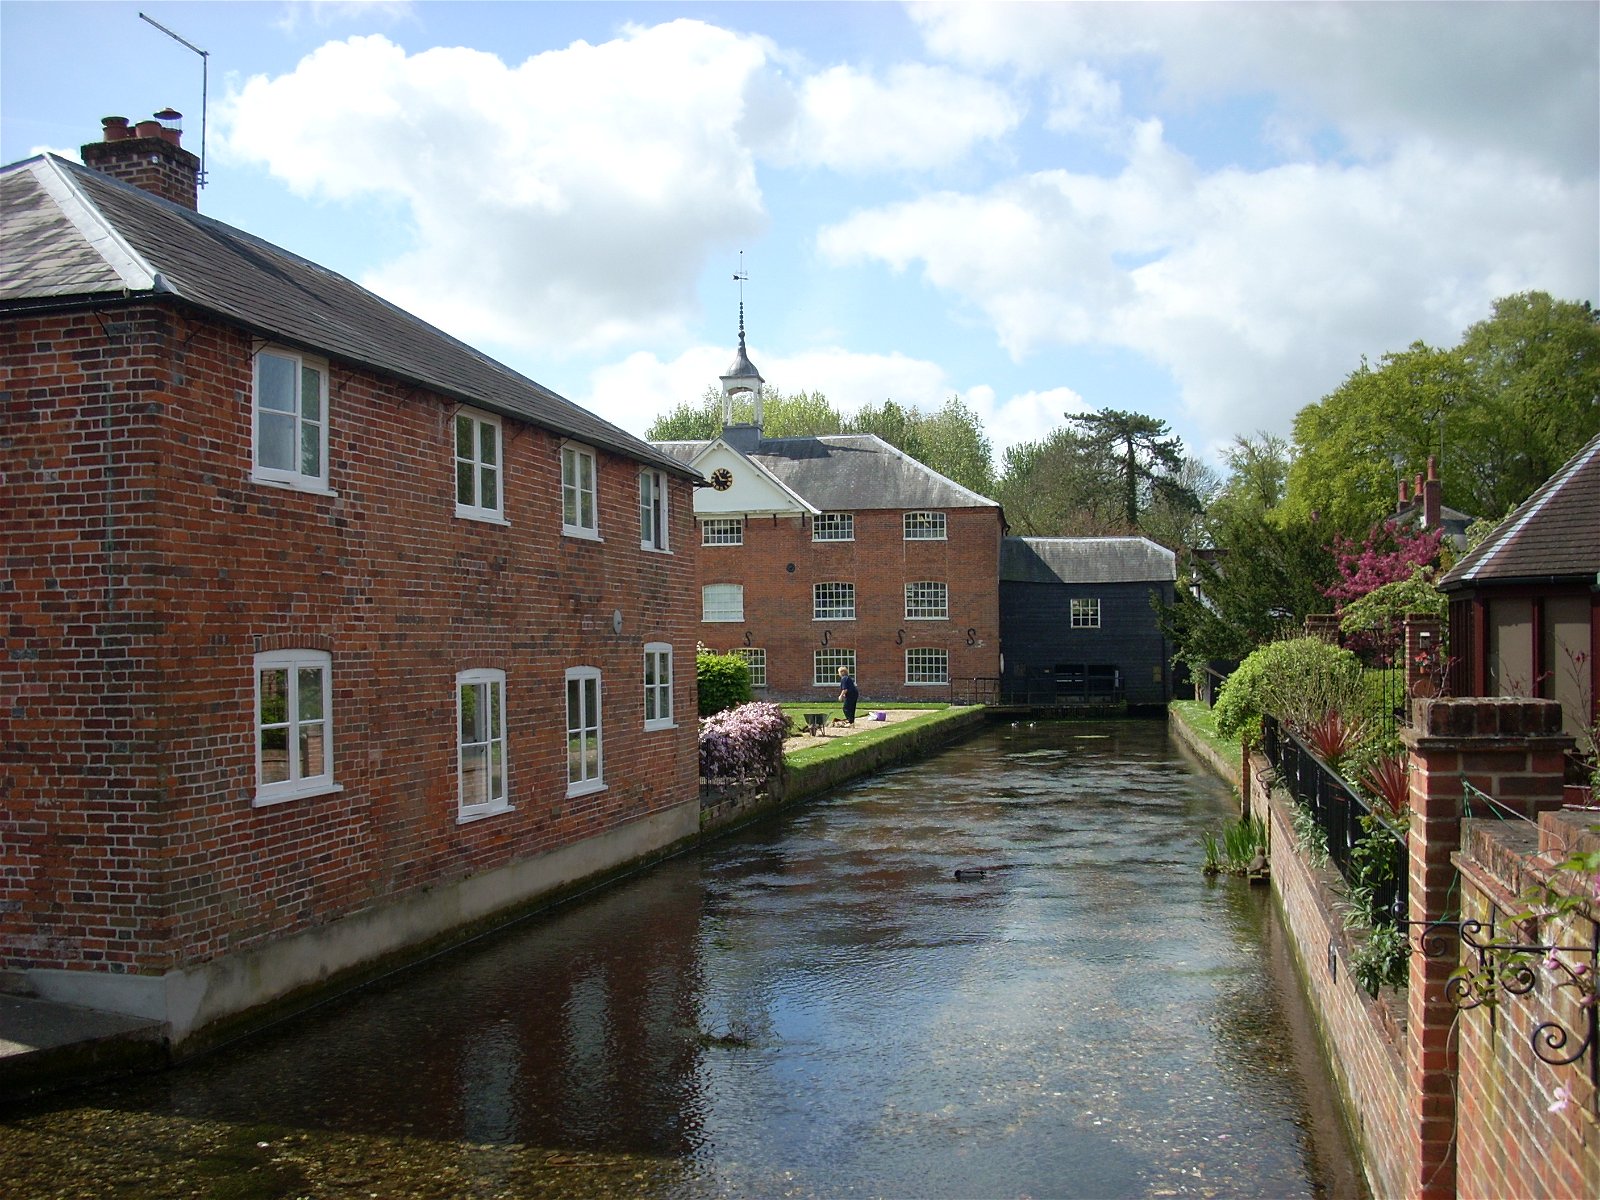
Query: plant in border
[744,743]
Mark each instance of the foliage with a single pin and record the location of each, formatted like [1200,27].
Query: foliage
[1258,469]
[1057,487]
[1381,959]
[1386,781]
[1263,579]
[1373,874]
[1309,838]
[744,743]
[1502,411]
[1389,554]
[1243,843]
[1333,736]
[950,441]
[1384,608]
[723,680]
[1299,681]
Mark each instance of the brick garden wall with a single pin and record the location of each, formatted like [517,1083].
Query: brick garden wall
[879,562]
[144,570]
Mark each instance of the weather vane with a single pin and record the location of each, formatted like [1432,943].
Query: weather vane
[741,276]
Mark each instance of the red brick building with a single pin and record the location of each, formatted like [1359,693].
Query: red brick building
[840,551]
[327,637]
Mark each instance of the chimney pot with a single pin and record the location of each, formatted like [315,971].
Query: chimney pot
[150,129]
[1405,494]
[115,128]
[1433,466]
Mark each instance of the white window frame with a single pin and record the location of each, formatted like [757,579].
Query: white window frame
[481,424]
[576,492]
[927,600]
[833,601]
[714,606]
[1085,612]
[722,531]
[490,687]
[825,666]
[587,730]
[927,526]
[833,527]
[755,657]
[303,423]
[299,783]
[653,510]
[932,669]
[658,686]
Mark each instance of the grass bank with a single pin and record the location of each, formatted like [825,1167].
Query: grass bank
[1196,726]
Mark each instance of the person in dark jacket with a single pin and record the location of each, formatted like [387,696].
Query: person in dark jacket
[848,695]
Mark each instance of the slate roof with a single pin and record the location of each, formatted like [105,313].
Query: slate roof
[74,236]
[1554,534]
[849,472]
[1100,560]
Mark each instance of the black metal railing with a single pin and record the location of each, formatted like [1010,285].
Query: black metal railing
[1337,810]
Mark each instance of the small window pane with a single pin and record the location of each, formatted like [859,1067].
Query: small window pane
[310,749]
[463,483]
[491,489]
[311,450]
[488,450]
[275,438]
[464,436]
[275,383]
[310,393]
[311,700]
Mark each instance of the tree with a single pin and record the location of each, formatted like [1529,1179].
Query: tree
[1059,487]
[1388,555]
[1145,453]
[1501,411]
[1258,473]
[951,441]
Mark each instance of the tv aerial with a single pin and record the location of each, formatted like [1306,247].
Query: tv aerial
[168,114]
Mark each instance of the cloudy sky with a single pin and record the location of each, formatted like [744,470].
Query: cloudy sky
[1207,211]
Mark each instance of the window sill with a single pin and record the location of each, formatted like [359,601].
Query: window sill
[722,620]
[467,818]
[821,619]
[313,489]
[481,516]
[306,791]
[582,535]
[944,618]
[654,549]
[653,726]
[928,683]
[587,788]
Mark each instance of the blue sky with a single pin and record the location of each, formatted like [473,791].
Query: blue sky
[1206,212]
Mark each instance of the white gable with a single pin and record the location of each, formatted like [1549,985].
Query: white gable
[754,490]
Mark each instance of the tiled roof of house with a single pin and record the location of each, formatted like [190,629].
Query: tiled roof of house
[1555,533]
[74,235]
[1099,560]
[850,472]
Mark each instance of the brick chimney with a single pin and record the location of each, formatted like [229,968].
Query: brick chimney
[1432,496]
[148,155]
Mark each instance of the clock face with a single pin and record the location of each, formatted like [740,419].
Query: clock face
[722,479]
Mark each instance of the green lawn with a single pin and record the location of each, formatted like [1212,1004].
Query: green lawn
[865,733]
[1204,722]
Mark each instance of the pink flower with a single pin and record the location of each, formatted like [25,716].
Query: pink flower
[1563,1100]
[1552,963]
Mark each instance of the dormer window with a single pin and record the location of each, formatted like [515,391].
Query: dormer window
[833,527]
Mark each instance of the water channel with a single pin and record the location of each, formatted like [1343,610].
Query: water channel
[815,1007]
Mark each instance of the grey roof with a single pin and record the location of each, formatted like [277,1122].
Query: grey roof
[75,236]
[849,472]
[1554,533]
[1086,560]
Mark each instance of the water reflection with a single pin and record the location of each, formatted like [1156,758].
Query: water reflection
[820,1007]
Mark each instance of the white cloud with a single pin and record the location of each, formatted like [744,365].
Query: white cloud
[1521,77]
[563,204]
[918,117]
[1256,290]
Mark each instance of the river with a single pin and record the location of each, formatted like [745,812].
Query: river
[818,1006]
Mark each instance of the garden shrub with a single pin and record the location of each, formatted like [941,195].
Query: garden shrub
[744,743]
[1299,681]
[723,679]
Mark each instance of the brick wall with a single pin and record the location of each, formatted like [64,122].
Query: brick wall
[144,570]
[879,562]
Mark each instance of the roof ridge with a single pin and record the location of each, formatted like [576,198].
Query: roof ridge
[135,271]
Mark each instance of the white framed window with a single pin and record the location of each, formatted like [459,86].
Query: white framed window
[927,600]
[756,659]
[833,602]
[833,527]
[825,666]
[585,763]
[652,509]
[478,468]
[925,527]
[722,602]
[658,686]
[722,531]
[294,724]
[291,420]
[926,665]
[481,743]
[1086,613]
[579,492]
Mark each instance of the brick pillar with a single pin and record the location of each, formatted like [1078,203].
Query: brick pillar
[1324,626]
[1511,750]
[1424,658]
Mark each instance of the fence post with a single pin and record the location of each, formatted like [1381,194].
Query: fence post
[1507,748]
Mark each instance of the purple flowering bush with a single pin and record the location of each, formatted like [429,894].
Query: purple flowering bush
[744,743]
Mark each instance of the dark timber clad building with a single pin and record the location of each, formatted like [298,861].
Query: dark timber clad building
[1078,624]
